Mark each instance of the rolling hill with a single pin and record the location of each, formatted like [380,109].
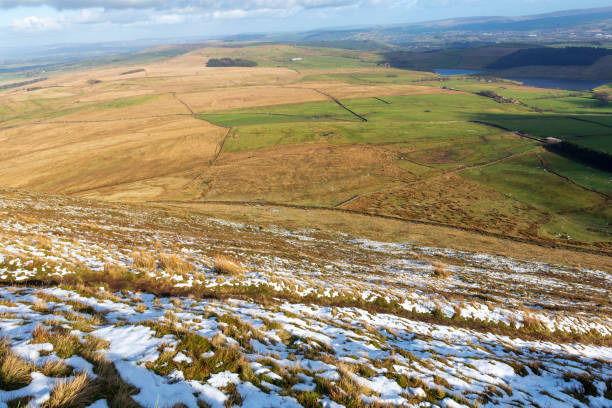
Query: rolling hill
[312,229]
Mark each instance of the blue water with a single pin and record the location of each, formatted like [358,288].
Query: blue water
[551,83]
[569,84]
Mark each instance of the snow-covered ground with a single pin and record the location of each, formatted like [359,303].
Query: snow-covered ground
[316,319]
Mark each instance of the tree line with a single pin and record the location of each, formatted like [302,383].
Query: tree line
[230,62]
[591,157]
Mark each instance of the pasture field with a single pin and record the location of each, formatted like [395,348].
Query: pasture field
[330,129]
[585,176]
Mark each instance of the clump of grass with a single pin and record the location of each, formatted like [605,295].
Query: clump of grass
[14,372]
[440,270]
[586,381]
[172,262]
[64,344]
[42,241]
[309,399]
[80,391]
[141,308]
[532,323]
[55,369]
[142,260]
[40,306]
[111,385]
[114,271]
[225,265]
[233,396]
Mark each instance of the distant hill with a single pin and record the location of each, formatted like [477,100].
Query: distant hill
[582,56]
[512,60]
[570,25]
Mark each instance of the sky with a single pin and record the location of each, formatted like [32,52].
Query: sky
[40,22]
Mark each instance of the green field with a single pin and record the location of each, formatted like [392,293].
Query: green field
[574,211]
[433,134]
[389,77]
[313,111]
[311,57]
[580,173]
[400,121]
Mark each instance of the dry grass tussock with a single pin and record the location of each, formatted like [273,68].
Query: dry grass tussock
[172,262]
[440,270]
[143,260]
[228,266]
[77,392]
[14,372]
[114,270]
[42,241]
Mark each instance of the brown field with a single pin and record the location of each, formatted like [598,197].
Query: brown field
[103,134]
[342,90]
[465,203]
[220,99]
[78,158]
[299,177]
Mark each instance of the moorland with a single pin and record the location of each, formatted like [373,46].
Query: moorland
[313,228]
[316,128]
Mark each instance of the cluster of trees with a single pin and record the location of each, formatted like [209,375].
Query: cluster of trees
[594,158]
[583,56]
[230,62]
[603,97]
[497,97]
[18,84]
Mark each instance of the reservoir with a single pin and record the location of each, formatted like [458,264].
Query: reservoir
[551,83]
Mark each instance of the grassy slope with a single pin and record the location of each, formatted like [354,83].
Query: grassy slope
[432,133]
[320,154]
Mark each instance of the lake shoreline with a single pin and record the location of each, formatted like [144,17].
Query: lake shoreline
[570,84]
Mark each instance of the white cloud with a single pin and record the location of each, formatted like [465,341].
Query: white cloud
[89,16]
[34,24]
[169,19]
[206,5]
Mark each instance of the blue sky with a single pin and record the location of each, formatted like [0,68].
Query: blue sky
[38,22]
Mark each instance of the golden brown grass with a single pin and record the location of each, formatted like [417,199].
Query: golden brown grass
[440,270]
[40,305]
[172,262]
[224,264]
[114,271]
[54,369]
[141,308]
[76,392]
[143,260]
[348,169]
[137,146]
[42,241]
[14,372]
[381,229]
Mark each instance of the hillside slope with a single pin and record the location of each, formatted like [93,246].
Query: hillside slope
[131,305]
